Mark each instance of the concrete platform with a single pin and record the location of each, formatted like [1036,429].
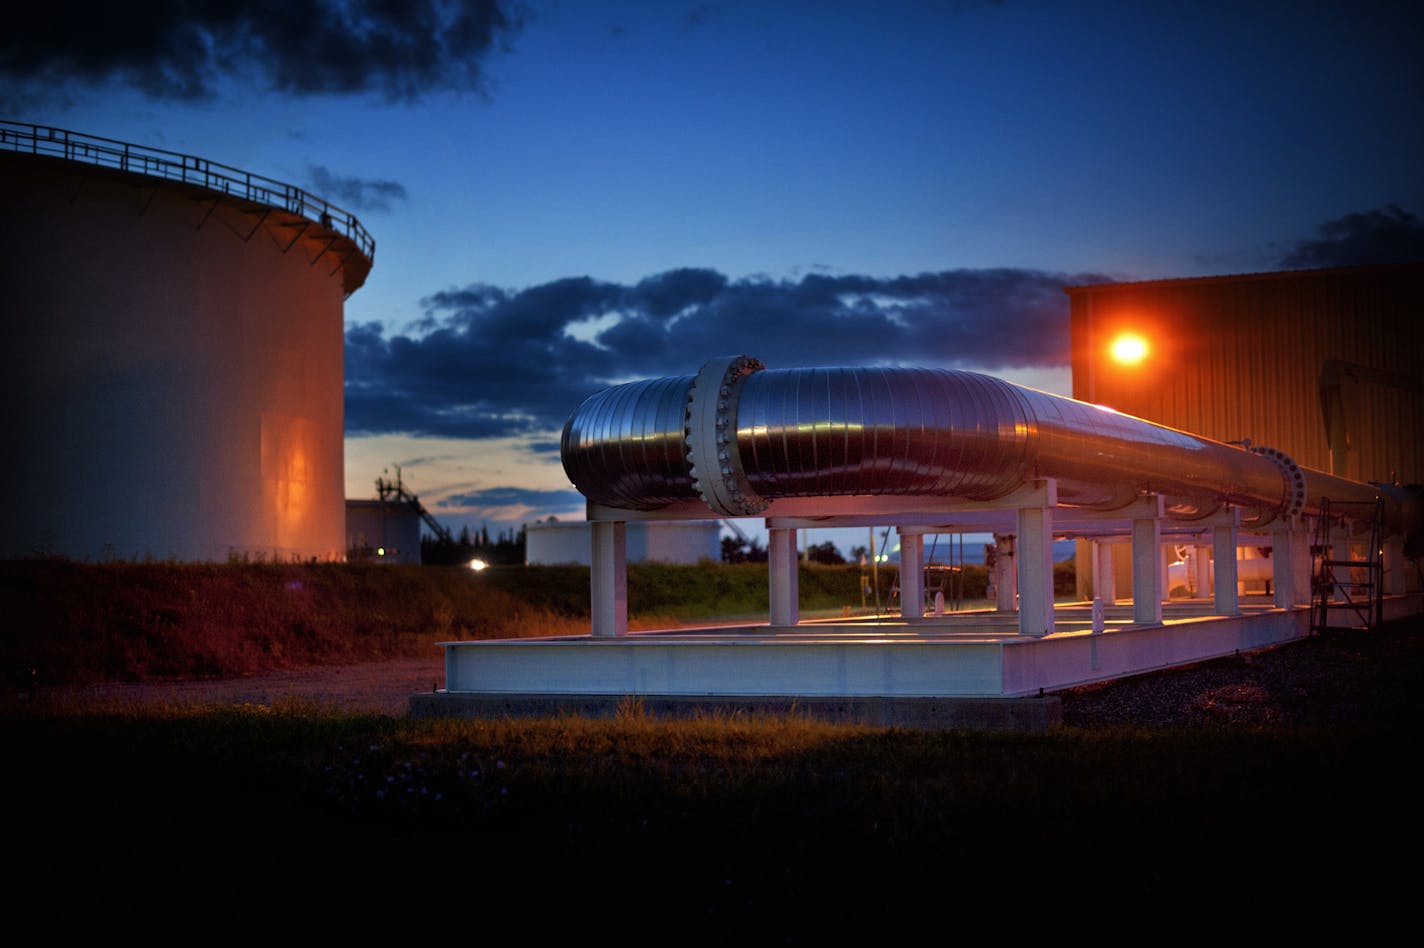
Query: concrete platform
[966,669]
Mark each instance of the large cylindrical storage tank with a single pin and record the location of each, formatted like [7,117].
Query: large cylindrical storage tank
[173,361]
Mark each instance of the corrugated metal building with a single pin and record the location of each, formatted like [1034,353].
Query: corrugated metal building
[1301,361]
[1269,357]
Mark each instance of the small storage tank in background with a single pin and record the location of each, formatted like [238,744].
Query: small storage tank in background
[173,362]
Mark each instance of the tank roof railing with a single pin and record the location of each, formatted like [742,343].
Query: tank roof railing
[158,163]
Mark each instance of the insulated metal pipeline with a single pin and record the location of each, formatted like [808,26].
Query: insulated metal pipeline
[738,437]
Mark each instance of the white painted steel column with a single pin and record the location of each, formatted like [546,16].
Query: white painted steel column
[912,574]
[608,578]
[1147,564]
[1035,570]
[1104,582]
[1394,584]
[1290,564]
[1282,573]
[1164,569]
[1227,602]
[784,578]
[1201,568]
[1006,574]
[1301,561]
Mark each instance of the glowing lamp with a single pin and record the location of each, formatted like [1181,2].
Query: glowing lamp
[1128,349]
[477,565]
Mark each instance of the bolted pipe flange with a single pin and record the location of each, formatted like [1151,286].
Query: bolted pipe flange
[1293,497]
[711,436]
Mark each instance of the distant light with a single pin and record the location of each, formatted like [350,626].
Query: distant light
[380,551]
[477,565]
[1128,348]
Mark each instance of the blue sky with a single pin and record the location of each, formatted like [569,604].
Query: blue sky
[565,195]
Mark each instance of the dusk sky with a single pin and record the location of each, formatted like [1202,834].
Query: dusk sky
[565,195]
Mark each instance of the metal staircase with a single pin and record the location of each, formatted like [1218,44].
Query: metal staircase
[395,492]
[1355,587]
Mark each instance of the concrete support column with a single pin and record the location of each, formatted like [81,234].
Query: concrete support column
[1035,570]
[784,577]
[1227,602]
[1301,562]
[1290,564]
[1201,571]
[1282,571]
[1147,581]
[1006,574]
[608,578]
[1104,582]
[1084,567]
[912,574]
[1394,580]
[1165,552]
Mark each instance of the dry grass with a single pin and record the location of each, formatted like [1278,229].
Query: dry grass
[727,828]
[78,623]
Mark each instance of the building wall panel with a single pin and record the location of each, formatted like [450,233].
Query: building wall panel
[1241,357]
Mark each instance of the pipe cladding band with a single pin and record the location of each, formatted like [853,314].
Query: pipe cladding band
[716,464]
[1294,495]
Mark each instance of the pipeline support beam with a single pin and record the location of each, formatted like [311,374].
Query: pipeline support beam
[1034,557]
[608,578]
[784,578]
[912,574]
[1147,566]
[1226,601]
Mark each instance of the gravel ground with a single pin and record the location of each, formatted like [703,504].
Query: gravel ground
[1351,678]
[1341,678]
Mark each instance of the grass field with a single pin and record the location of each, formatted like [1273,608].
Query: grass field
[273,823]
[78,622]
[243,822]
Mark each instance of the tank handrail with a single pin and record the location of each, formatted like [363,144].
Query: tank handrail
[175,166]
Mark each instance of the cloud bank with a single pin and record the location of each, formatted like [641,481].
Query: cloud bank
[356,194]
[1386,235]
[491,499]
[184,50]
[488,362]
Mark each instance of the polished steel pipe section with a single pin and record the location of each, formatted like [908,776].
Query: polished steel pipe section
[739,437]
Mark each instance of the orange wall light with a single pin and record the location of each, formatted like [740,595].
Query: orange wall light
[1128,348]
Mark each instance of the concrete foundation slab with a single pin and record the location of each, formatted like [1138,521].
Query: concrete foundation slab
[967,669]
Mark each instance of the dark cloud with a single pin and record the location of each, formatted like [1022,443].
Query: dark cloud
[670,293]
[492,499]
[355,194]
[1387,235]
[703,13]
[185,49]
[489,362]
